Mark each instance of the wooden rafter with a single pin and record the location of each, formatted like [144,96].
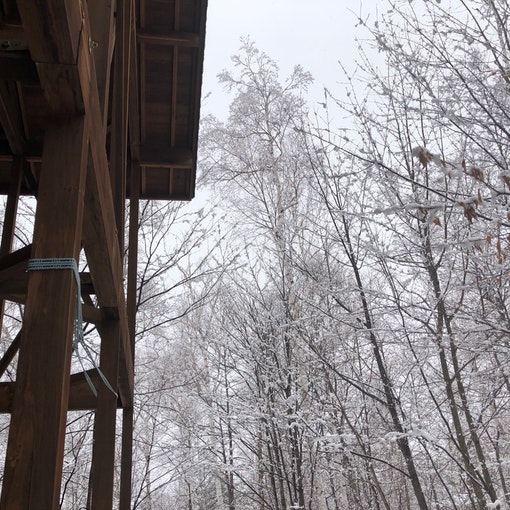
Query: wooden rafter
[174,38]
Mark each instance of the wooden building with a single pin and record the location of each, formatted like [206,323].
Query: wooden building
[99,103]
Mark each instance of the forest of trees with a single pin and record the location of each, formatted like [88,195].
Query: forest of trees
[331,330]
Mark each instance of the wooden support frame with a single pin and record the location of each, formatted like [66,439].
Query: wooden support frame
[103,457]
[103,453]
[169,39]
[9,227]
[102,27]
[55,113]
[10,117]
[63,56]
[37,431]
[67,74]
[128,415]
[166,157]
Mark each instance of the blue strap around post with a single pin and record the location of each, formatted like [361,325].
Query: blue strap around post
[79,339]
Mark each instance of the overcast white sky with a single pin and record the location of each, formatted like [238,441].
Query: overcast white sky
[313,33]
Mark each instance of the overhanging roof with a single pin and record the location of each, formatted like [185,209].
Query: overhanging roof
[164,97]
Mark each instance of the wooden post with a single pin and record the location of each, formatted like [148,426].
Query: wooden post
[120,106]
[33,464]
[11,206]
[103,453]
[127,415]
[11,209]
[103,458]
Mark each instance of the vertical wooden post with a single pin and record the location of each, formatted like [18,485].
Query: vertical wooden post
[11,206]
[103,454]
[120,105]
[33,464]
[11,209]
[103,457]
[8,230]
[132,282]
[127,415]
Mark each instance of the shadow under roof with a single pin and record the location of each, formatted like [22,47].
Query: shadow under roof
[164,101]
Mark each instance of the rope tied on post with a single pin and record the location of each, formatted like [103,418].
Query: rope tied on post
[78,336]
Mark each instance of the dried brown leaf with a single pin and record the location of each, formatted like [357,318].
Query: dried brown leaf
[477,173]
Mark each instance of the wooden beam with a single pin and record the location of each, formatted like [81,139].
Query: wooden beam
[33,465]
[175,76]
[61,85]
[127,414]
[10,117]
[134,230]
[90,314]
[120,108]
[186,39]
[103,453]
[81,397]
[99,237]
[99,231]
[6,396]
[12,38]
[175,87]
[54,45]
[13,275]
[11,208]
[8,230]
[134,98]
[126,461]
[9,354]
[52,29]
[102,250]
[102,31]
[19,256]
[166,156]
[14,282]
[15,66]
[126,458]
[198,67]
